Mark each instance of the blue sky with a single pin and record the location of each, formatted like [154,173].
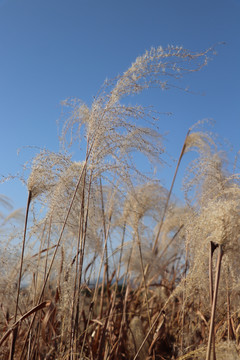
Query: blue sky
[54,49]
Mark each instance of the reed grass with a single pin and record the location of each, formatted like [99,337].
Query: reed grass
[111,265]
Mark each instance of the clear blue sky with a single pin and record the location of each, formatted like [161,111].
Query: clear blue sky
[54,49]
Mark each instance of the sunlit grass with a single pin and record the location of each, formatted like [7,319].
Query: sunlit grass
[111,265]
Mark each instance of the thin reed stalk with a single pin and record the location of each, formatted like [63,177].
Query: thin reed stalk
[22,254]
[82,252]
[211,251]
[15,330]
[76,294]
[95,294]
[144,279]
[217,278]
[170,192]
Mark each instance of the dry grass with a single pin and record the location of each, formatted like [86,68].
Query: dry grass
[111,265]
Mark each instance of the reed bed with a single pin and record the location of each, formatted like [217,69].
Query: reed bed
[107,263]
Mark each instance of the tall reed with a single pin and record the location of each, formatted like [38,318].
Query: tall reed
[115,267]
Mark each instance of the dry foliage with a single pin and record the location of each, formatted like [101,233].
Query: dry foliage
[111,265]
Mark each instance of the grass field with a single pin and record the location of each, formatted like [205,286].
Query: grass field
[107,263]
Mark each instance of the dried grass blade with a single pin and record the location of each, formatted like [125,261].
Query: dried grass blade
[30,312]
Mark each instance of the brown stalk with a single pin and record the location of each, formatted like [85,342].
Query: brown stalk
[123,322]
[119,267]
[229,322]
[144,278]
[38,255]
[14,334]
[183,299]
[30,312]
[22,255]
[104,227]
[148,333]
[217,278]
[48,246]
[111,314]
[170,242]
[105,269]
[95,291]
[82,252]
[79,247]
[103,337]
[170,192]
[212,248]
[128,263]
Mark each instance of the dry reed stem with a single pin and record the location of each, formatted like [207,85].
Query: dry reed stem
[217,278]
[95,291]
[14,335]
[211,251]
[170,192]
[23,317]
[151,328]
[144,279]
[76,294]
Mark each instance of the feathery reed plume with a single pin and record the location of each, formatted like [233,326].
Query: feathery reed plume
[113,131]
